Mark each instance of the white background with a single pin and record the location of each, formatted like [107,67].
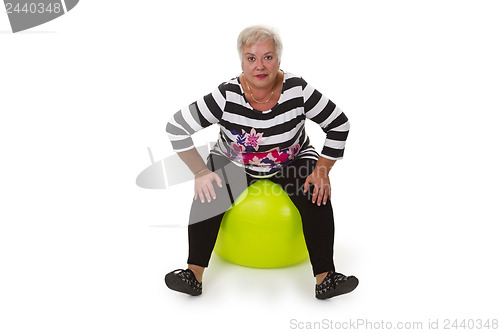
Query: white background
[83,249]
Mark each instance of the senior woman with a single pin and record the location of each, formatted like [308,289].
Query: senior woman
[261,114]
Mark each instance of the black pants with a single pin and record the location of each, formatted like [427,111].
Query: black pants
[317,221]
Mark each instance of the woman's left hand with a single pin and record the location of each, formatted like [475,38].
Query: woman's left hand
[322,190]
[319,178]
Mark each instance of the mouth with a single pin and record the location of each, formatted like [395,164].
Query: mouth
[261,76]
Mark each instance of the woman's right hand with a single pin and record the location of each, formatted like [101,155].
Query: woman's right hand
[203,187]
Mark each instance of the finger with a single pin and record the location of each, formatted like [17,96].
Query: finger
[218,180]
[206,191]
[200,195]
[315,193]
[306,185]
[321,192]
[328,195]
[211,190]
[324,195]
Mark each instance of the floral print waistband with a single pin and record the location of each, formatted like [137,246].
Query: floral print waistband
[245,151]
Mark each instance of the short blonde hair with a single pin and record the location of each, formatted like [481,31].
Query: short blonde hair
[259,33]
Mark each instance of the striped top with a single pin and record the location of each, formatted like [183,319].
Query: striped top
[262,141]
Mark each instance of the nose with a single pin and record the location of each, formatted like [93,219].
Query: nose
[260,64]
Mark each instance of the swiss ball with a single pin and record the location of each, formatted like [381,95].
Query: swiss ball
[263,229]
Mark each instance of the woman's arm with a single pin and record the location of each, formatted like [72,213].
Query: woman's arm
[330,118]
[193,160]
[183,124]
[335,124]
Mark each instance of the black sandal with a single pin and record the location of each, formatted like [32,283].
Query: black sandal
[184,281]
[336,284]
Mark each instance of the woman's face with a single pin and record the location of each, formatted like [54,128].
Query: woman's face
[260,64]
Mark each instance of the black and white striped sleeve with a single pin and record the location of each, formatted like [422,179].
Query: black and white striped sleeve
[198,115]
[330,118]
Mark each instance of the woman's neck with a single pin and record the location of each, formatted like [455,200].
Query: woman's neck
[265,98]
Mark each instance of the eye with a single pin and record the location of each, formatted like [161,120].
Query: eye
[251,59]
[269,58]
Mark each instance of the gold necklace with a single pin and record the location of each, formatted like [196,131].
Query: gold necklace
[250,91]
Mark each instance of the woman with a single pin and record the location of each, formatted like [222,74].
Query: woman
[261,115]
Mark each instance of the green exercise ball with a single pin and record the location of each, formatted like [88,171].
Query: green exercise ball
[263,229]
